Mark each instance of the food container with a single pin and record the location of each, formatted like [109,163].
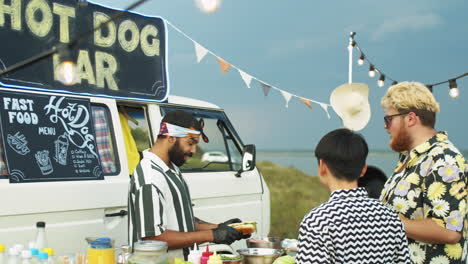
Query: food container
[266,242]
[231,258]
[260,255]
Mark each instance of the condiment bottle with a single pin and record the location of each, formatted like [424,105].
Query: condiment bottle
[50,252]
[41,241]
[194,255]
[205,256]
[215,259]
[2,254]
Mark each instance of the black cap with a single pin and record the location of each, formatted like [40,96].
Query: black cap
[40,224]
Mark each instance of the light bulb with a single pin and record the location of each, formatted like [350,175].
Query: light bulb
[454,92]
[67,73]
[381,81]
[361,60]
[371,71]
[208,6]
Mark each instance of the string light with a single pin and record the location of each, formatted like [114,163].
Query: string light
[371,71]
[381,81]
[208,6]
[361,59]
[67,72]
[453,92]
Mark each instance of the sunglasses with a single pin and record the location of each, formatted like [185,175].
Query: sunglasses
[388,118]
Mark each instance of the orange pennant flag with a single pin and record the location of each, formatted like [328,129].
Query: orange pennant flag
[224,65]
[306,102]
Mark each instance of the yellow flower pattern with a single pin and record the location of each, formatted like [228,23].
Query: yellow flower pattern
[453,251]
[437,190]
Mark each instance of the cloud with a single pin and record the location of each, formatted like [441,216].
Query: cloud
[407,23]
[284,48]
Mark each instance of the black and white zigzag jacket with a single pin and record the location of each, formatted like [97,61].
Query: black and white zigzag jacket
[352,228]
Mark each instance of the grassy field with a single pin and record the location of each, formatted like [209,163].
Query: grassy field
[292,193]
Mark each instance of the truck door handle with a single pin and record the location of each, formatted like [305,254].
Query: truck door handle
[121,213]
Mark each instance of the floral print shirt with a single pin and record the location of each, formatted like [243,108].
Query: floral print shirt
[430,181]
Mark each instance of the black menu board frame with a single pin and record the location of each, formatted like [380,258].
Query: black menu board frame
[48,138]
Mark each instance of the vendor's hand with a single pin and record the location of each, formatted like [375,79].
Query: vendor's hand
[230,221]
[224,234]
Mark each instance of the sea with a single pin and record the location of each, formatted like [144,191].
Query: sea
[306,161]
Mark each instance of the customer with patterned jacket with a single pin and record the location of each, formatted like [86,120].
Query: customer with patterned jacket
[428,187]
[350,227]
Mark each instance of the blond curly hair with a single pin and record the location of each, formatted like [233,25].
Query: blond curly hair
[409,95]
[414,97]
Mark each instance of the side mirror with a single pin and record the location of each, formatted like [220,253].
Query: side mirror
[248,159]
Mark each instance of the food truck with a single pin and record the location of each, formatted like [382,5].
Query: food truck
[66,151]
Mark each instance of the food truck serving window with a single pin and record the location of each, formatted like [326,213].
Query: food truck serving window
[54,138]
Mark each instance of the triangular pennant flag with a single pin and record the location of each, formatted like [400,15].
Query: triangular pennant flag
[224,65]
[287,97]
[266,88]
[325,107]
[200,51]
[247,78]
[306,102]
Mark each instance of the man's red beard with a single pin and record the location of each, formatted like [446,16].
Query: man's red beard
[401,141]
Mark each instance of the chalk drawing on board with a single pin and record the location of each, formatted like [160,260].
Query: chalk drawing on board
[61,149]
[16,175]
[97,171]
[18,143]
[43,160]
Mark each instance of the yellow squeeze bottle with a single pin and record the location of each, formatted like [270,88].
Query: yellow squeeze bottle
[215,259]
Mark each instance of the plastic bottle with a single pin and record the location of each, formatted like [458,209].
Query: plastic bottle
[41,241]
[194,255]
[43,257]
[215,259]
[205,256]
[3,258]
[50,253]
[125,253]
[26,257]
[13,256]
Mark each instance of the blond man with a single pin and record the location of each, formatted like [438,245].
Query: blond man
[428,187]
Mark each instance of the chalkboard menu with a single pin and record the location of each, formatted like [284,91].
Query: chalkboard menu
[48,138]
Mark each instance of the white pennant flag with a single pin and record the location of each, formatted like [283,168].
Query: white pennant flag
[247,78]
[287,97]
[201,51]
[325,107]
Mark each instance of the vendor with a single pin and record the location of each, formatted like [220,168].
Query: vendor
[160,205]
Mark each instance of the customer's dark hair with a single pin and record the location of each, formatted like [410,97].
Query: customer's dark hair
[182,119]
[344,153]
[373,180]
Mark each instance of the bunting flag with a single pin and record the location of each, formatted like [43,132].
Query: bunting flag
[246,77]
[266,88]
[306,102]
[200,51]
[287,96]
[325,107]
[224,65]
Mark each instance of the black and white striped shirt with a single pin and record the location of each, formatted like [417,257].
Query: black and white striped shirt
[158,199]
[352,228]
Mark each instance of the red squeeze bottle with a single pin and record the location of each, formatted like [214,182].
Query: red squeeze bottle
[205,256]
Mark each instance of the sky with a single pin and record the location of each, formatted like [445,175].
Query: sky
[301,47]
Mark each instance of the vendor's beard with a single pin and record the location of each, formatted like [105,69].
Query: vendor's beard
[177,155]
[401,141]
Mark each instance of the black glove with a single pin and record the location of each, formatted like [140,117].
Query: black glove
[230,221]
[226,235]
